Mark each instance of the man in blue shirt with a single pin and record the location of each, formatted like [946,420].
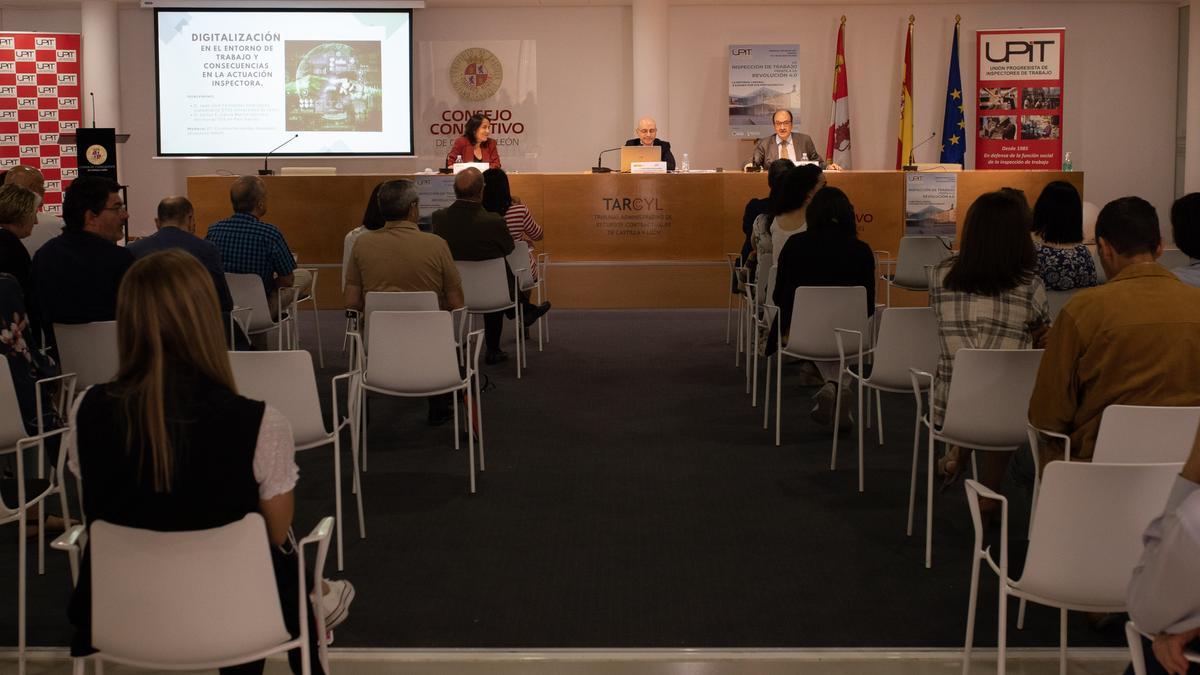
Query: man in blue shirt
[248,245]
[176,223]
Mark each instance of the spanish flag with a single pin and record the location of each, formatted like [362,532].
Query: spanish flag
[904,143]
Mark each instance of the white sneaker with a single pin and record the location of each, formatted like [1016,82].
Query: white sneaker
[336,602]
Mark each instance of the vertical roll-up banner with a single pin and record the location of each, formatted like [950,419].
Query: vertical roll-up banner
[1019,103]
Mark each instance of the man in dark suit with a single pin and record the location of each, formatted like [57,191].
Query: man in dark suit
[783,144]
[647,131]
[474,233]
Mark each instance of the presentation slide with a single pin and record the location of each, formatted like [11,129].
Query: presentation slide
[241,82]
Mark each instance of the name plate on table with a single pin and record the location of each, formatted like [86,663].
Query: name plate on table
[459,166]
[647,167]
[802,162]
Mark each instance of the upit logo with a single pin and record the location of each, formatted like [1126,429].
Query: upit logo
[741,51]
[1018,48]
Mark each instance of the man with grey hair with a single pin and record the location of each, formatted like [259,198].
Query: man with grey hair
[176,224]
[400,257]
[248,245]
[48,225]
[647,135]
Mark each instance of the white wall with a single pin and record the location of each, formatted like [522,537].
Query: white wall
[1120,94]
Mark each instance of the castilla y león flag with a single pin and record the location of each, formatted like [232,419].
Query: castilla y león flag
[837,148]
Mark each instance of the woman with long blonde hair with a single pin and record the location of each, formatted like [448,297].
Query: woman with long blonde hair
[169,445]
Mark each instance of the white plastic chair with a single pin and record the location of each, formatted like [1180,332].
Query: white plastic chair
[816,312]
[286,381]
[15,441]
[195,600]
[1057,299]
[916,256]
[1083,545]
[908,339]
[1101,275]
[986,409]
[731,260]
[347,251]
[89,350]
[485,289]
[414,356]
[309,297]
[1173,257]
[518,262]
[247,291]
[1137,656]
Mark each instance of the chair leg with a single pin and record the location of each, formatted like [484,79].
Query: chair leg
[520,334]
[729,319]
[339,523]
[972,606]
[778,393]
[41,537]
[929,507]
[471,436]
[1062,642]
[356,485]
[1137,655]
[21,591]
[1002,631]
[479,421]
[362,434]
[767,393]
[457,426]
[78,666]
[753,358]
[861,466]
[1021,614]
[879,414]
[837,416]
[912,483]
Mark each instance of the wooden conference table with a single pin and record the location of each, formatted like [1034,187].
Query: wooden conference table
[616,240]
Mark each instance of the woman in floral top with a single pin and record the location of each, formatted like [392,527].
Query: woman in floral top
[1063,262]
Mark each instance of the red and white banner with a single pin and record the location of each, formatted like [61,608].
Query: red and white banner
[837,147]
[39,99]
[1019,103]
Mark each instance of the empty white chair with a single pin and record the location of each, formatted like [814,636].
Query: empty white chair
[89,350]
[1083,545]
[286,381]
[485,289]
[247,291]
[910,269]
[15,442]
[414,356]
[986,409]
[908,339]
[816,312]
[195,600]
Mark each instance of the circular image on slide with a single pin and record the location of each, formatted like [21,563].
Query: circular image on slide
[333,86]
[476,74]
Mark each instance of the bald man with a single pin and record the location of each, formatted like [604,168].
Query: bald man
[48,225]
[647,135]
[477,234]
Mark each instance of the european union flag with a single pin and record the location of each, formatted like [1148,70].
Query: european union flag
[954,124]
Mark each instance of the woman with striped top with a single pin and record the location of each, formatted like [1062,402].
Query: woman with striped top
[497,198]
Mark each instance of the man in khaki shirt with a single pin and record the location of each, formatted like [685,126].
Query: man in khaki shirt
[400,257]
[1134,340]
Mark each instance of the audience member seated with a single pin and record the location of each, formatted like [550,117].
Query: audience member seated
[1063,262]
[987,296]
[1185,230]
[248,245]
[170,446]
[498,199]
[1132,340]
[18,213]
[399,257]
[476,234]
[797,187]
[1159,600]
[48,225]
[176,224]
[760,227]
[77,273]
[829,253]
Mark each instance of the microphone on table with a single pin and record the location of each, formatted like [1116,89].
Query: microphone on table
[93,95]
[267,172]
[600,168]
[912,164]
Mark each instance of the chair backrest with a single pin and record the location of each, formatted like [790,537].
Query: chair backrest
[247,291]
[485,285]
[1086,537]
[908,338]
[1173,257]
[765,262]
[1141,434]
[414,352]
[519,260]
[989,395]
[915,254]
[1057,299]
[1101,277]
[772,275]
[12,428]
[163,599]
[89,350]
[396,301]
[817,310]
[287,381]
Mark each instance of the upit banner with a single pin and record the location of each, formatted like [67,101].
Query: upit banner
[1019,106]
